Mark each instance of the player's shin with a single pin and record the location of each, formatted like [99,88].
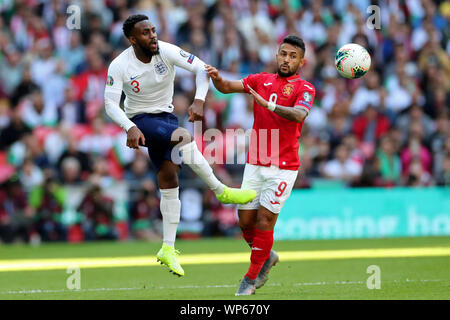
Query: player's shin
[262,244]
[170,211]
[195,160]
[248,235]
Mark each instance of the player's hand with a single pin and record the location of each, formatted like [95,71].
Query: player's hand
[195,111]
[260,100]
[212,72]
[135,135]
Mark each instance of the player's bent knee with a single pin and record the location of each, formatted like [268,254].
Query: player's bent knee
[264,225]
[167,180]
[246,225]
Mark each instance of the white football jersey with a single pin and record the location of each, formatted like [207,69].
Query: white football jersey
[149,86]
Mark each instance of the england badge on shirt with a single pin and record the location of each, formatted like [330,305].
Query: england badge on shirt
[160,68]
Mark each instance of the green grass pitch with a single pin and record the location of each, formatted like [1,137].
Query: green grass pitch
[401,278]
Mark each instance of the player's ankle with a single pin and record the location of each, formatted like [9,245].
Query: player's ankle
[219,189]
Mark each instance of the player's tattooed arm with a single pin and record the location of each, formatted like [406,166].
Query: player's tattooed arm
[221,84]
[296,114]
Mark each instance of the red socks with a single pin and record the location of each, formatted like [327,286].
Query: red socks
[262,244]
[248,235]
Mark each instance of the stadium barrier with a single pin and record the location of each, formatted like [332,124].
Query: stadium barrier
[365,213]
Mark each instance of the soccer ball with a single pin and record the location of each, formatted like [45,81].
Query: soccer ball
[352,61]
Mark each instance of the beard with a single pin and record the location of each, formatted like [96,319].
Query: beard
[285,74]
[148,51]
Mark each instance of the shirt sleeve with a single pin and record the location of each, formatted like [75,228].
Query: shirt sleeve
[252,81]
[113,91]
[114,81]
[306,96]
[190,62]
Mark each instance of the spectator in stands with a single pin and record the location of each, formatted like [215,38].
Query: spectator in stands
[342,167]
[370,126]
[14,131]
[388,162]
[368,94]
[24,88]
[145,215]
[36,113]
[415,150]
[73,152]
[12,67]
[99,142]
[48,201]
[45,65]
[5,110]
[71,111]
[71,171]
[15,212]
[98,215]
[416,175]
[139,172]
[443,176]
[415,114]
[30,175]
[73,55]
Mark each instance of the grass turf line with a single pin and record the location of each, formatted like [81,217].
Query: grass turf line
[401,278]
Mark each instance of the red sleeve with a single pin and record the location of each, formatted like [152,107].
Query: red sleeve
[306,95]
[252,80]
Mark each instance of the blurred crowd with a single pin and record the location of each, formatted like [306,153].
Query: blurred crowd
[389,128]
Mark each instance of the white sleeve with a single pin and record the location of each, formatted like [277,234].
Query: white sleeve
[188,61]
[113,92]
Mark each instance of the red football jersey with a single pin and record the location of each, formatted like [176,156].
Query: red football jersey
[274,140]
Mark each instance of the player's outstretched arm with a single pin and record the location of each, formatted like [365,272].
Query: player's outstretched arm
[296,114]
[221,84]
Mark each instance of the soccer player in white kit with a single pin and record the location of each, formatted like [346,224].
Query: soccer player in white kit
[145,72]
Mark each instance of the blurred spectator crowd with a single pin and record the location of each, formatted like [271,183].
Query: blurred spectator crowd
[389,128]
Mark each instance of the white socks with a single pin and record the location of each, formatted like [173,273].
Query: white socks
[195,160]
[170,210]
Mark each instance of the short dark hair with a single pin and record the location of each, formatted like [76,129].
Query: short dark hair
[130,22]
[295,41]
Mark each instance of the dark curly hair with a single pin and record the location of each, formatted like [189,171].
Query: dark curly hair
[130,22]
[295,41]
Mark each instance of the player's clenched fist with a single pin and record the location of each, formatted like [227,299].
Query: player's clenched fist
[195,111]
[135,135]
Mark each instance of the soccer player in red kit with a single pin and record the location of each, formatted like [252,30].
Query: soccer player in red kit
[282,101]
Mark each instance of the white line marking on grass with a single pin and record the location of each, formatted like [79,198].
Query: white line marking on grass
[319,283]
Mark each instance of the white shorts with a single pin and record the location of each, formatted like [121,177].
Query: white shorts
[272,184]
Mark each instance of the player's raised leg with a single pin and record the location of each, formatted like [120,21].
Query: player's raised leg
[170,210]
[195,160]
